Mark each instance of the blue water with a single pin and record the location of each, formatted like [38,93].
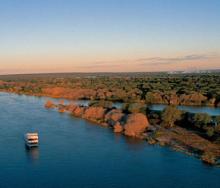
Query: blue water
[193,109]
[76,153]
[159,107]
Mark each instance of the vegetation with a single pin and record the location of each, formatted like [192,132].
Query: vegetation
[135,108]
[198,132]
[163,88]
[101,103]
[135,90]
[170,115]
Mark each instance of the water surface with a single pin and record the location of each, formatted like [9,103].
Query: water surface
[76,153]
[193,109]
[213,111]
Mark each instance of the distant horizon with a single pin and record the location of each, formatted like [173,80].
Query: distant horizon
[122,72]
[109,36]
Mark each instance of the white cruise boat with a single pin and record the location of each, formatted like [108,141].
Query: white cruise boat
[31,139]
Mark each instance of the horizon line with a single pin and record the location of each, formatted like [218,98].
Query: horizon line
[110,72]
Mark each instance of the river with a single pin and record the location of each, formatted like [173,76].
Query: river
[213,111]
[77,153]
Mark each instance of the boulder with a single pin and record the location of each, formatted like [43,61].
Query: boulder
[118,128]
[113,116]
[135,124]
[94,113]
[49,104]
[61,110]
[78,112]
[71,107]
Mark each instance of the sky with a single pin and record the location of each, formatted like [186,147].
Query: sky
[39,36]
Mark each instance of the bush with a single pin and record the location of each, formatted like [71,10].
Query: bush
[170,115]
[210,131]
[102,103]
[135,108]
[201,120]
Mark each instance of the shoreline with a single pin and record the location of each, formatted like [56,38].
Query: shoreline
[76,99]
[176,138]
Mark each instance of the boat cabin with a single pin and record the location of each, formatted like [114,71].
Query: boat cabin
[31,139]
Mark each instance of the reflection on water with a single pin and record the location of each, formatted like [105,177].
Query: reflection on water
[32,153]
[135,143]
[131,143]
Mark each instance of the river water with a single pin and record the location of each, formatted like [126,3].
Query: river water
[76,153]
[159,107]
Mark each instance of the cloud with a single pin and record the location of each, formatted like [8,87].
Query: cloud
[143,62]
[166,61]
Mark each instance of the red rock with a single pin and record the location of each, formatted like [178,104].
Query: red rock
[113,116]
[78,111]
[136,124]
[71,107]
[49,104]
[118,128]
[61,110]
[94,113]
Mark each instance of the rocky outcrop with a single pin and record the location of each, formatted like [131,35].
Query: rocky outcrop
[94,113]
[118,128]
[78,111]
[71,107]
[61,110]
[135,124]
[49,104]
[114,116]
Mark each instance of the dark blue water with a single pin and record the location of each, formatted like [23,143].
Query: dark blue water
[76,153]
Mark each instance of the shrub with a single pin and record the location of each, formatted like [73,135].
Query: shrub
[201,120]
[170,115]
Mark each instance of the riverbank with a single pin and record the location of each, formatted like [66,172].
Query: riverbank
[178,138]
[190,90]
[137,125]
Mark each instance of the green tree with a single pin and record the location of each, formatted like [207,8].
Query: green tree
[135,108]
[217,120]
[210,131]
[149,98]
[201,120]
[101,103]
[170,115]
